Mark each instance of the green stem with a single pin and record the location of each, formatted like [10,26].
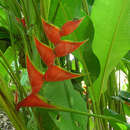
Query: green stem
[85,68]
[76,65]
[88,114]
[57,8]
[91,90]
[15,55]
[9,107]
[85,6]
[68,63]
[12,73]
[15,82]
[44,7]
[89,78]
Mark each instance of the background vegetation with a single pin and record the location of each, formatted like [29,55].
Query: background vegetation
[95,101]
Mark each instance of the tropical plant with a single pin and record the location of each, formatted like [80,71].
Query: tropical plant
[59,62]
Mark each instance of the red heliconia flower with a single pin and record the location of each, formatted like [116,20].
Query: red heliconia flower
[55,73]
[35,77]
[33,100]
[54,34]
[51,31]
[70,26]
[22,21]
[65,47]
[46,53]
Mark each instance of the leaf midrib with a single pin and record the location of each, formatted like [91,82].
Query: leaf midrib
[112,42]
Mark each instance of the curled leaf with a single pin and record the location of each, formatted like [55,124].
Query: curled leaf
[65,47]
[51,31]
[70,26]
[46,53]
[33,101]
[35,77]
[55,73]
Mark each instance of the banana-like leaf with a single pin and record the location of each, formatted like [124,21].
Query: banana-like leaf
[112,37]
[63,94]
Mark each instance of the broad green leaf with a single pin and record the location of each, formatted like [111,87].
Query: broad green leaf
[46,121]
[32,124]
[85,53]
[90,2]
[3,17]
[63,94]
[126,109]
[116,125]
[64,10]
[9,55]
[112,37]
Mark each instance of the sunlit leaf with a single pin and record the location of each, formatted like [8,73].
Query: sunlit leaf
[112,37]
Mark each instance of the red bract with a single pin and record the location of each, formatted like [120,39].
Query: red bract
[35,77]
[65,47]
[33,100]
[16,97]
[54,34]
[55,73]
[51,31]
[46,53]
[22,21]
[69,27]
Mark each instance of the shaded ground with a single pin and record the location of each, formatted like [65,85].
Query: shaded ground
[5,124]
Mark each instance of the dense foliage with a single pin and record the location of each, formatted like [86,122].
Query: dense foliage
[62,61]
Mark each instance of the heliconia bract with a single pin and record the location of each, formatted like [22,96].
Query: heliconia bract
[65,47]
[55,73]
[51,31]
[35,77]
[33,100]
[70,26]
[46,53]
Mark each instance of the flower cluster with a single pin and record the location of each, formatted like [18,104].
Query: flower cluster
[54,73]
